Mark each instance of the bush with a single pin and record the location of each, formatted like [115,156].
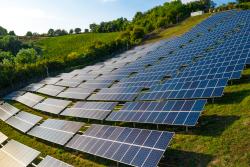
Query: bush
[26,56]
[137,33]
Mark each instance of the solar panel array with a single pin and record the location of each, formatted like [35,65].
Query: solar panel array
[23,121]
[53,106]
[49,161]
[29,99]
[3,137]
[56,131]
[51,90]
[92,110]
[167,83]
[130,146]
[15,154]
[7,110]
[173,112]
[116,94]
[76,93]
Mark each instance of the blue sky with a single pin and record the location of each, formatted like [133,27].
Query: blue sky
[40,15]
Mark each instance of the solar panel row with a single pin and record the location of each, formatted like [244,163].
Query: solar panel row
[130,146]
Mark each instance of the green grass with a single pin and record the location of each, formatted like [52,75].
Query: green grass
[178,29]
[64,45]
[222,136]
[220,139]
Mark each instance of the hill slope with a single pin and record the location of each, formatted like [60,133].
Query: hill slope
[220,139]
[64,45]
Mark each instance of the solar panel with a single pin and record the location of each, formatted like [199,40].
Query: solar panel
[97,84]
[172,112]
[3,138]
[33,87]
[14,95]
[56,131]
[15,154]
[136,147]
[23,121]
[72,82]
[186,90]
[76,93]
[54,106]
[51,90]
[51,81]
[49,161]
[92,110]
[29,99]
[116,94]
[7,110]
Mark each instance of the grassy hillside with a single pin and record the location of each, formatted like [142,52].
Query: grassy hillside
[220,139]
[176,30]
[64,45]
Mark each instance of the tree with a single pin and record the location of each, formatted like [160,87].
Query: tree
[242,1]
[29,34]
[51,32]
[86,30]
[71,31]
[93,27]
[137,33]
[26,56]
[6,55]
[3,31]
[11,43]
[78,30]
[58,32]
[12,33]
[64,32]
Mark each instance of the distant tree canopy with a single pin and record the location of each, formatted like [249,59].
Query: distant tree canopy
[29,34]
[119,24]
[3,31]
[12,33]
[242,1]
[161,16]
[78,30]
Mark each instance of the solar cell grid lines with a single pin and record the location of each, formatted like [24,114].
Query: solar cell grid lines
[97,84]
[85,77]
[50,81]
[56,131]
[91,110]
[72,82]
[29,99]
[3,137]
[76,93]
[172,112]
[186,90]
[54,106]
[15,154]
[135,147]
[49,161]
[23,121]
[7,110]
[51,90]
[33,87]
[116,94]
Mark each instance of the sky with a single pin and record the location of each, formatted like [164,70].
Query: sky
[40,15]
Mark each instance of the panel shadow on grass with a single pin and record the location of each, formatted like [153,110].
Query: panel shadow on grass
[177,158]
[213,125]
[233,97]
